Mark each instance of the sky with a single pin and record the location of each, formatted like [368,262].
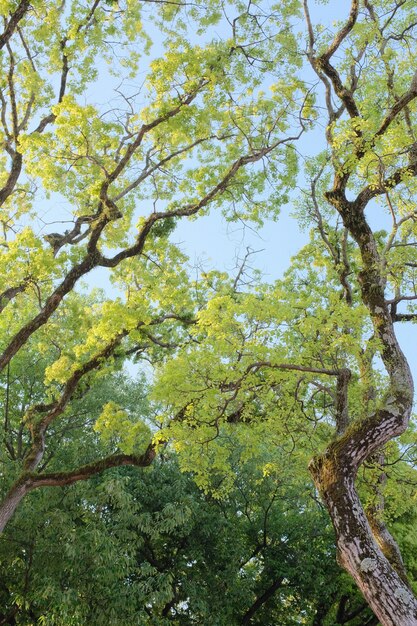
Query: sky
[211,242]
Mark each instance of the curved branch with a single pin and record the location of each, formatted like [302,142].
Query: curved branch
[10,293]
[51,304]
[322,64]
[191,209]
[59,479]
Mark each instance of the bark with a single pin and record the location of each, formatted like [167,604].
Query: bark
[12,501]
[31,480]
[335,471]
[384,590]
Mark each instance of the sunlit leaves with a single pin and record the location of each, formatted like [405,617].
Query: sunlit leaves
[115,426]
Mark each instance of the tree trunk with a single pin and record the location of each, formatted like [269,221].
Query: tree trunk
[335,471]
[358,553]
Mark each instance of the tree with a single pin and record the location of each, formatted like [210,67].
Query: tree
[114,183]
[299,363]
[381,165]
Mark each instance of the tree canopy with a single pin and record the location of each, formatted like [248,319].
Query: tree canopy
[119,120]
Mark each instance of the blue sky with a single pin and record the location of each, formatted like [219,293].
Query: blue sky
[211,242]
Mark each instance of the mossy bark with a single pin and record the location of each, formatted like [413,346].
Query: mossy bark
[358,553]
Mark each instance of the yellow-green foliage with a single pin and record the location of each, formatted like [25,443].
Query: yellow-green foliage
[115,426]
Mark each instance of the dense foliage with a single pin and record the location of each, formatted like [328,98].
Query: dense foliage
[120,119]
[154,549]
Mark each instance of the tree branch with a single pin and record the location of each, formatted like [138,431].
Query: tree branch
[15,18]
[192,209]
[59,479]
[399,106]
[260,600]
[322,63]
[342,405]
[11,293]
[343,32]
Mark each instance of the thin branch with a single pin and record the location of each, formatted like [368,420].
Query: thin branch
[291,367]
[145,128]
[322,63]
[148,171]
[399,106]
[192,209]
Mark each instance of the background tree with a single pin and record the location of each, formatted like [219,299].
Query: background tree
[153,547]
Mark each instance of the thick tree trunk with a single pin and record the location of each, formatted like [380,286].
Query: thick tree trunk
[358,553]
[334,472]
